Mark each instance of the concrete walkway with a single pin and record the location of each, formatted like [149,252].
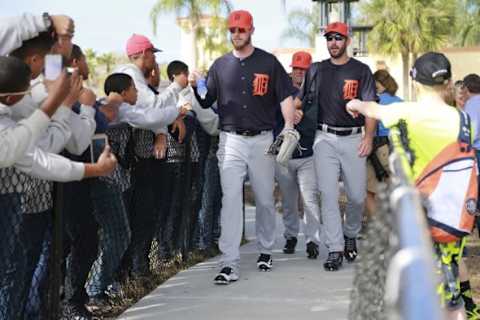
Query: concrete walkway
[297,288]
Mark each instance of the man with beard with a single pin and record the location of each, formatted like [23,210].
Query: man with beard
[342,143]
[248,85]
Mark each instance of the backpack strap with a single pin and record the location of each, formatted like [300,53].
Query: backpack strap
[310,83]
[465,133]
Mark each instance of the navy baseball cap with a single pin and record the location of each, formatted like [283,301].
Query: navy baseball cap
[431,69]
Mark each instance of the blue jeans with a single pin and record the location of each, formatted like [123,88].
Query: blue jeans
[144,214]
[477,219]
[209,214]
[10,221]
[21,260]
[111,215]
[37,296]
[82,236]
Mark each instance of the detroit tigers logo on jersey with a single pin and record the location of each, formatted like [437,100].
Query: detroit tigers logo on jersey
[260,84]
[350,89]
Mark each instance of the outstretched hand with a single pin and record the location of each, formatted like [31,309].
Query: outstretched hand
[355,107]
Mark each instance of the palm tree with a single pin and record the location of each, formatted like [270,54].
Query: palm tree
[408,27]
[108,60]
[191,9]
[92,62]
[304,24]
[214,38]
[467,31]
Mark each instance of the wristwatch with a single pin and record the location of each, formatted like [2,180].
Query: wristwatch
[47,20]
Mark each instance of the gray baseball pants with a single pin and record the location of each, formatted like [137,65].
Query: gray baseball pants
[299,178]
[335,155]
[237,157]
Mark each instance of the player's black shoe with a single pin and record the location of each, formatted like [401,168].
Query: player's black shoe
[225,276]
[334,261]
[312,250]
[350,251]
[290,245]
[264,262]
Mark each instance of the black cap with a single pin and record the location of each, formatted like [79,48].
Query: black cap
[431,69]
[472,83]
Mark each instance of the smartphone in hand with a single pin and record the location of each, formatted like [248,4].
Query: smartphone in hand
[99,142]
[53,66]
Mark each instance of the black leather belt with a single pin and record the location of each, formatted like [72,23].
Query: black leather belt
[339,131]
[247,133]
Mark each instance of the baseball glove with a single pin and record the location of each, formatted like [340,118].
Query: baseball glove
[284,145]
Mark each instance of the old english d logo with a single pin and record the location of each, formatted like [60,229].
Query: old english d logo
[260,84]
[350,89]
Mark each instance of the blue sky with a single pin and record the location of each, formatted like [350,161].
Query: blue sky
[105,25]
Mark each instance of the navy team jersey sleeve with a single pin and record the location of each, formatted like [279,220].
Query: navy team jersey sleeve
[368,91]
[212,92]
[283,83]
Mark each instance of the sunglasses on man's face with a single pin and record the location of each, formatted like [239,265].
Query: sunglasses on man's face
[237,30]
[336,37]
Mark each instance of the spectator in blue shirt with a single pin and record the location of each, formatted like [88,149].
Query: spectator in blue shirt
[386,89]
[471,84]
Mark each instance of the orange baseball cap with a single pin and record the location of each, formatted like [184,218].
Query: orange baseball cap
[301,59]
[337,27]
[240,19]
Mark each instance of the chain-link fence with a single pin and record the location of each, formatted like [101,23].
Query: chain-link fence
[395,275]
[96,242]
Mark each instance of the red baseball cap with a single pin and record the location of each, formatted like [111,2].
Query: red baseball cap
[301,59]
[138,44]
[240,19]
[337,27]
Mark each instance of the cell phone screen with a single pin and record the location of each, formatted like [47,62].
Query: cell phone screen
[99,142]
[53,66]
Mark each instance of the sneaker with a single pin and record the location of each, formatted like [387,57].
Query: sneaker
[312,250]
[76,312]
[225,276]
[334,261]
[290,245]
[350,249]
[473,314]
[264,262]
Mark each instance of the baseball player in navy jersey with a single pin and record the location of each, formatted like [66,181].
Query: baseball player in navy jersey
[248,84]
[299,177]
[342,143]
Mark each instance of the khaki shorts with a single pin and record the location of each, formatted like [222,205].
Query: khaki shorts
[382,155]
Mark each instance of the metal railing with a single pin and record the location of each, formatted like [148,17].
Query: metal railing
[395,277]
[410,285]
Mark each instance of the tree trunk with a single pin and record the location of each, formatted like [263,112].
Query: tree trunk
[413,96]
[405,69]
[194,47]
